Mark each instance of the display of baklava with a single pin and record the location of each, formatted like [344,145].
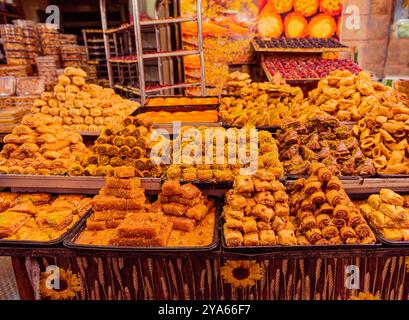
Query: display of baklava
[383,133]
[39,216]
[321,138]
[257,212]
[261,104]
[81,106]
[184,205]
[122,216]
[235,82]
[216,154]
[42,147]
[323,214]
[388,212]
[351,97]
[125,144]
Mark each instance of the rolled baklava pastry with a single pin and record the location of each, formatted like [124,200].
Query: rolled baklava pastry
[318,198]
[130,141]
[113,150]
[326,209]
[75,170]
[125,151]
[103,160]
[302,241]
[118,141]
[347,232]
[116,162]
[334,197]
[341,212]
[101,149]
[335,241]
[355,219]
[363,230]
[90,170]
[334,184]
[313,235]
[307,205]
[339,223]
[308,223]
[312,187]
[330,232]
[136,152]
[324,174]
[323,220]
[322,242]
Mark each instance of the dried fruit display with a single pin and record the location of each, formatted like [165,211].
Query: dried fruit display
[298,43]
[295,25]
[306,7]
[308,68]
[322,26]
[332,7]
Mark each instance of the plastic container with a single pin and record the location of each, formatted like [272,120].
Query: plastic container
[7,86]
[30,86]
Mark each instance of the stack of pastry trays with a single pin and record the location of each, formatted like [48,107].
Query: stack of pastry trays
[13,71]
[30,36]
[50,41]
[14,45]
[92,75]
[68,39]
[47,69]
[74,56]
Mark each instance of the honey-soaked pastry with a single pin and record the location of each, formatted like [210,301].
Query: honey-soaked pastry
[308,223]
[233,238]
[183,224]
[355,219]
[251,239]
[341,212]
[331,220]
[313,235]
[267,238]
[388,196]
[330,232]
[189,191]
[234,223]
[243,184]
[249,225]
[318,198]
[263,212]
[174,208]
[334,184]
[347,232]
[265,198]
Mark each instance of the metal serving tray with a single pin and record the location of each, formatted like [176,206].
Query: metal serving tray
[69,242]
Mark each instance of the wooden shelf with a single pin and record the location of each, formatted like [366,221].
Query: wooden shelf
[257,48]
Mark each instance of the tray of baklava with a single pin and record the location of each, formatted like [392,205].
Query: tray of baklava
[39,219]
[261,214]
[388,214]
[180,218]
